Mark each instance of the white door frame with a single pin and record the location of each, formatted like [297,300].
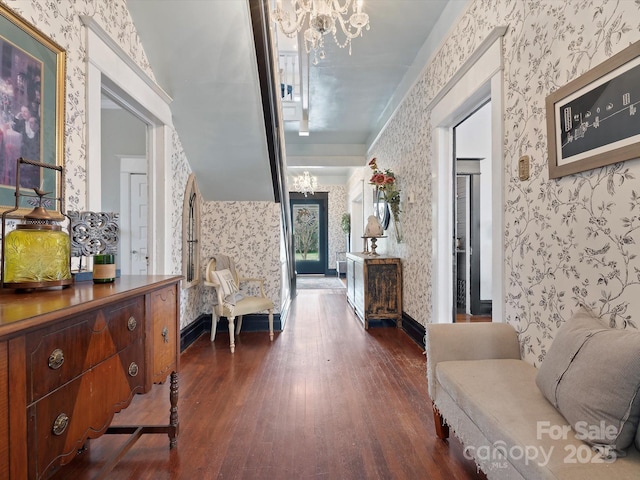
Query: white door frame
[478,80]
[110,68]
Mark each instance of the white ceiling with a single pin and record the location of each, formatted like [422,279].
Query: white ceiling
[202,55]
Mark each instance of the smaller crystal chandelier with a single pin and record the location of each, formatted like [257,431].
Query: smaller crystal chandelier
[305,183]
[319,18]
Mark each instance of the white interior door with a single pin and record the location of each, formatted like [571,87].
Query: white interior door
[139,253]
[134,222]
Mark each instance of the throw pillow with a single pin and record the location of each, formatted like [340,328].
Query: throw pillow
[224,278]
[591,374]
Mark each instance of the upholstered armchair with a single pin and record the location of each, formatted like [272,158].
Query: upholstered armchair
[229,302]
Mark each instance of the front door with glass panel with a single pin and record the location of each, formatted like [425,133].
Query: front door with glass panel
[310,232]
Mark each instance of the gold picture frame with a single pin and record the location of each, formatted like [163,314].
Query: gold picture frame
[32,110]
[592,121]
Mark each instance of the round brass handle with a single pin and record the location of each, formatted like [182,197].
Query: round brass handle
[133,369]
[60,424]
[56,359]
[132,324]
[165,334]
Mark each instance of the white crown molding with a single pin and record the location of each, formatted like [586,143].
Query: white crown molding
[97,29]
[486,44]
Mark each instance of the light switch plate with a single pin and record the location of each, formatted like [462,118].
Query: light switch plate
[523,167]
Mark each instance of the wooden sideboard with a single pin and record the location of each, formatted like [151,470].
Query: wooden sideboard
[71,358]
[374,287]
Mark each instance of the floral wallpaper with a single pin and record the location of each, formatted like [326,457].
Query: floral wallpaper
[337,206]
[249,232]
[410,162]
[190,297]
[568,241]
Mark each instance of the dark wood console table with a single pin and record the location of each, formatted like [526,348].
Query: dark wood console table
[71,358]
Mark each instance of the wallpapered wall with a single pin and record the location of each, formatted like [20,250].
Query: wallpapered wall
[190,305]
[568,241]
[337,206]
[249,232]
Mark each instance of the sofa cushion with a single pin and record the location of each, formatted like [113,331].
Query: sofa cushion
[501,399]
[591,374]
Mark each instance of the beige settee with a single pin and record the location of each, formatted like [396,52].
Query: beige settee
[489,397]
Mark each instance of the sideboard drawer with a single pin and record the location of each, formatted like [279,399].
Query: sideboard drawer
[56,356]
[60,423]
[164,332]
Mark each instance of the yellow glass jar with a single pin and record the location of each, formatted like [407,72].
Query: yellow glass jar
[37,256]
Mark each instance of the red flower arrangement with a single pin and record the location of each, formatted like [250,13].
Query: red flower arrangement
[379,178]
[385,181]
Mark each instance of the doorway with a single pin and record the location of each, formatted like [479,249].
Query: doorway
[309,218]
[124,182]
[472,186]
[476,81]
[136,93]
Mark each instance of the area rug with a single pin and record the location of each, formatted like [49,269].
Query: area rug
[304,282]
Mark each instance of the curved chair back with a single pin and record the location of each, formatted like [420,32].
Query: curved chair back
[220,262]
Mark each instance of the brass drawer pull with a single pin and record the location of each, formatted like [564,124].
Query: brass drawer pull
[56,359]
[133,369]
[165,334]
[132,324]
[60,424]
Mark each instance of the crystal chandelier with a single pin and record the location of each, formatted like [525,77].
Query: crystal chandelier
[305,183]
[319,18]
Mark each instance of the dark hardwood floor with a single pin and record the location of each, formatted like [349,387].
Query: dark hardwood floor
[326,399]
[465,318]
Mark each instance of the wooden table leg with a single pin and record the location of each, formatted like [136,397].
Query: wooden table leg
[173,416]
[442,429]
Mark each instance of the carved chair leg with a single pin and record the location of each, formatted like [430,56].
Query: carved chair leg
[442,429]
[214,325]
[271,324]
[238,324]
[232,341]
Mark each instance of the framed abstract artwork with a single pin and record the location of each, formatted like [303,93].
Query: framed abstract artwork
[593,120]
[32,105]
